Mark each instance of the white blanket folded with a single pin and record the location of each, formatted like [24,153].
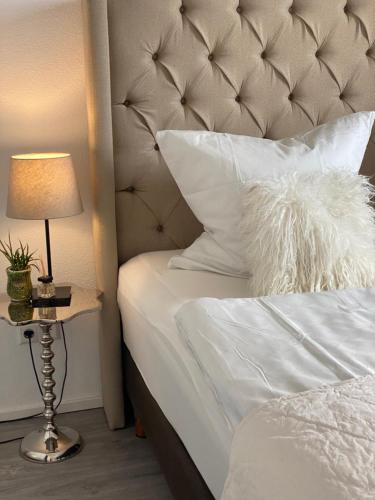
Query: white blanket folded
[315,445]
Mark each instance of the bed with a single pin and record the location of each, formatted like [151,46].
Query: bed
[262,68]
[149,296]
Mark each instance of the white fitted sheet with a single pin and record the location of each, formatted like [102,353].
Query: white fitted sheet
[149,295]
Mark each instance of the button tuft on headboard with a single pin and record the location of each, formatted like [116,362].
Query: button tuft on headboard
[248,67]
[159,228]
[156,147]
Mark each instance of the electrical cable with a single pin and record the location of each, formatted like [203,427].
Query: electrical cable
[34,367]
[66,366]
[11,440]
[39,385]
[20,418]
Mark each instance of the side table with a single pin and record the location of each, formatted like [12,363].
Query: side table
[50,444]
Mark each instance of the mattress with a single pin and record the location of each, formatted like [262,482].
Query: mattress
[149,295]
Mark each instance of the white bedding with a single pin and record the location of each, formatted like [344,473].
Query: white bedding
[315,445]
[253,350]
[149,295]
[209,166]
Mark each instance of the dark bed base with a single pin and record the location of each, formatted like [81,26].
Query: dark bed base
[183,477]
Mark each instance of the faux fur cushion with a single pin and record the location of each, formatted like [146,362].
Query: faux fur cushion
[309,232]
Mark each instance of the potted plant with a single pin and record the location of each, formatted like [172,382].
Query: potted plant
[19,286]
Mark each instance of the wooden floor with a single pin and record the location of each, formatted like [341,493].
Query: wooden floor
[112,465]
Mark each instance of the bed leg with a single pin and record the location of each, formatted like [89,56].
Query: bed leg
[139,432]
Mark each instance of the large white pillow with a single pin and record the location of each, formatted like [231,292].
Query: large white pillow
[309,233]
[210,168]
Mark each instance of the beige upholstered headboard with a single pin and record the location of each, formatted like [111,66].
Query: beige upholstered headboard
[268,68]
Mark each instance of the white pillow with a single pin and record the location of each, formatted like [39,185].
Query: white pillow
[210,169]
[309,232]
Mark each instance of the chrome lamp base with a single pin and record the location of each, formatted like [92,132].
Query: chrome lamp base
[50,444]
[39,447]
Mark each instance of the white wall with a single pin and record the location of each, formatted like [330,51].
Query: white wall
[43,108]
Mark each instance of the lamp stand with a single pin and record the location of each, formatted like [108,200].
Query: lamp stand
[62,295]
[48,248]
[49,444]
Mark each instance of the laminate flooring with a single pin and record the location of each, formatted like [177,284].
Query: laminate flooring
[112,465]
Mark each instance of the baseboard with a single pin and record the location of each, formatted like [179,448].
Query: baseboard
[77,404]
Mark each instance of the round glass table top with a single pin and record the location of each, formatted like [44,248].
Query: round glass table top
[19,313]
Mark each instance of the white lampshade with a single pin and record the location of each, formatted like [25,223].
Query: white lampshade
[43,186]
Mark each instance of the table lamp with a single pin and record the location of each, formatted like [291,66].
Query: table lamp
[43,186]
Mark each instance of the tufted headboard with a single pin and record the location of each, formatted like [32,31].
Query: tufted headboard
[267,68]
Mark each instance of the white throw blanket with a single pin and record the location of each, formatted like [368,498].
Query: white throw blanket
[317,445]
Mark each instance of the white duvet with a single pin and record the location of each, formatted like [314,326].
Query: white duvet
[251,351]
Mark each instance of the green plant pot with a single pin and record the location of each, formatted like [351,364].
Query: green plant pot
[19,286]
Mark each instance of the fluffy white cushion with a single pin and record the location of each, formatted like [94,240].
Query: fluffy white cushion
[210,169]
[309,232]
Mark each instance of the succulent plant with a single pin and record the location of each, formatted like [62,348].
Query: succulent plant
[20,258]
